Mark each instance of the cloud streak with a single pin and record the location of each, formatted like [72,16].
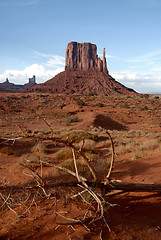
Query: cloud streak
[155,55]
[51,60]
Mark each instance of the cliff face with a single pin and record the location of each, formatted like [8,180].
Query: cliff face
[83,56]
[84,73]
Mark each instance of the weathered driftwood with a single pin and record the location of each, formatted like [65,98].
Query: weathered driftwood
[134,187]
[111,186]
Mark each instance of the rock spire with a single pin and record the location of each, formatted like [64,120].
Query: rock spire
[83,56]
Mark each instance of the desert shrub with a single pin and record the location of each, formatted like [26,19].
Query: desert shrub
[39,147]
[90,94]
[7,150]
[71,120]
[156,97]
[56,115]
[125,105]
[30,159]
[64,155]
[146,96]
[88,197]
[149,144]
[139,154]
[69,164]
[123,148]
[32,117]
[80,102]
[77,136]
[62,105]
[88,144]
[145,108]
[100,104]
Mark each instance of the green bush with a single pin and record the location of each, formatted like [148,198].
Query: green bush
[156,97]
[80,102]
[90,94]
[125,105]
[100,104]
[146,108]
[146,96]
[71,120]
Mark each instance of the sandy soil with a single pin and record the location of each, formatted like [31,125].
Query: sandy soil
[131,121]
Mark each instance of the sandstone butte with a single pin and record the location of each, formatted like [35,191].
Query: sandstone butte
[84,73]
[11,87]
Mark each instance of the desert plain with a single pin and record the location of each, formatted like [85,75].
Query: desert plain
[31,123]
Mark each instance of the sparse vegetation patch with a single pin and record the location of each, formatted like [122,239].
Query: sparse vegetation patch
[77,136]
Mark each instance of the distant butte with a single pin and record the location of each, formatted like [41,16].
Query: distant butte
[11,87]
[84,73]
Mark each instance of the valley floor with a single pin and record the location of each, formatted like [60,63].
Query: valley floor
[28,154]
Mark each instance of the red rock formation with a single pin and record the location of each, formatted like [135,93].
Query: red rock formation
[104,62]
[11,87]
[83,56]
[83,82]
[84,73]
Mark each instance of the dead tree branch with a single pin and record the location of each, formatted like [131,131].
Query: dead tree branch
[112,158]
[75,165]
[109,186]
[35,173]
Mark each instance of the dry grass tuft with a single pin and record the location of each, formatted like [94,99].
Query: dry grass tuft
[123,148]
[7,150]
[139,154]
[39,147]
[88,144]
[64,155]
[77,136]
[150,144]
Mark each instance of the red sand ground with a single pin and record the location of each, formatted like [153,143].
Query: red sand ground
[136,216]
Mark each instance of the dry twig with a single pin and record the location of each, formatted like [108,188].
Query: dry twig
[112,158]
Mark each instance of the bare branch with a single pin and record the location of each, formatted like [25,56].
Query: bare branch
[5,200]
[52,132]
[83,141]
[65,170]
[112,158]
[35,173]
[7,204]
[75,165]
[25,133]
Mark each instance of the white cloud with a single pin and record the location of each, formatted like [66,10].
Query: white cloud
[108,56]
[142,73]
[157,69]
[47,66]
[139,82]
[21,76]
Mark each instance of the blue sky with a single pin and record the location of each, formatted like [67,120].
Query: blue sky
[34,35]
